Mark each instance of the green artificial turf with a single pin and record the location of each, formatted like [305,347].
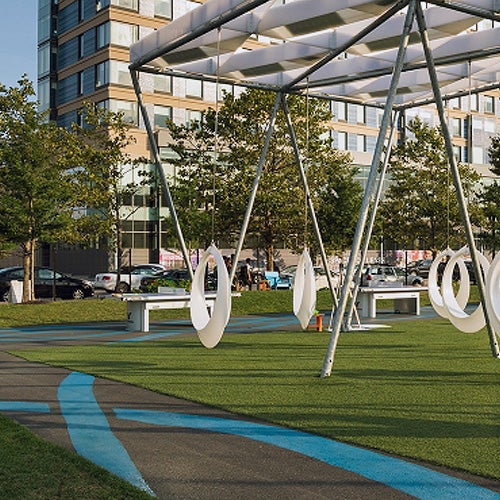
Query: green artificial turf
[31,468]
[420,389]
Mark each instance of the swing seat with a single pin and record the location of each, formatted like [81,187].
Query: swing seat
[276,282]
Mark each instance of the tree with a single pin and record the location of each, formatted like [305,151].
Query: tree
[34,191]
[420,207]
[106,177]
[490,199]
[278,215]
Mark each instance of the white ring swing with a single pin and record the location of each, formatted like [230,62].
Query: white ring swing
[210,329]
[304,290]
[304,286]
[493,293]
[435,295]
[456,314]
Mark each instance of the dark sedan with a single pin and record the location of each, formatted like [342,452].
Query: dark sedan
[66,287]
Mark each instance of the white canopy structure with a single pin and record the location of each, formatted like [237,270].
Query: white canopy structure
[383,53]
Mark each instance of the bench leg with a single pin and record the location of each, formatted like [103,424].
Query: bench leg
[137,317]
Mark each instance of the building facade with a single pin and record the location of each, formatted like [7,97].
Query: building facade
[83,54]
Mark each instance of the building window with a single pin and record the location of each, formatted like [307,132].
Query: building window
[124,34]
[119,73]
[342,111]
[489,125]
[101,4]
[455,103]
[128,108]
[360,113]
[44,94]
[163,8]
[488,104]
[162,114]
[473,102]
[163,83]
[102,74]
[342,140]
[477,154]
[194,88]
[127,4]
[193,117]
[102,39]
[44,60]
[456,126]
[361,143]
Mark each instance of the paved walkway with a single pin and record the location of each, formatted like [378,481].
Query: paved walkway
[176,449]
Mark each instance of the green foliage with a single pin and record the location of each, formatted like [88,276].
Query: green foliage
[420,208]
[490,229]
[152,287]
[494,153]
[490,200]
[35,190]
[278,214]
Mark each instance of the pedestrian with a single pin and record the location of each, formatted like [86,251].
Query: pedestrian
[246,274]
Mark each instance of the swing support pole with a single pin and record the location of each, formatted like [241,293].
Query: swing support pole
[310,204]
[371,223]
[344,294]
[159,168]
[253,194]
[456,179]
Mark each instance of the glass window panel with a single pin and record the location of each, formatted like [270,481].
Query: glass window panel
[194,88]
[162,114]
[193,117]
[44,60]
[477,154]
[342,111]
[102,74]
[119,73]
[488,104]
[163,8]
[123,34]
[342,140]
[128,108]
[101,4]
[103,35]
[489,125]
[127,4]
[163,83]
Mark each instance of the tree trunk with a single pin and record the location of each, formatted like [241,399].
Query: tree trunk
[270,257]
[27,271]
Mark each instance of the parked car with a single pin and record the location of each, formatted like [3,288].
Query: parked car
[376,274]
[420,268]
[66,287]
[321,279]
[130,278]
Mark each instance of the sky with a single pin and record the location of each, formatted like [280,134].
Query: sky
[18,40]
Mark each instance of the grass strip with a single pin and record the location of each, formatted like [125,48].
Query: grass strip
[32,468]
[420,389]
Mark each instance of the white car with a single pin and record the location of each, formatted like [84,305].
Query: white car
[129,279]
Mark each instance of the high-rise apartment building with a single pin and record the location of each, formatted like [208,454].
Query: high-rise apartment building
[83,50]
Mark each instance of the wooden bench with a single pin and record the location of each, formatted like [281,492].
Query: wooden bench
[406,299]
